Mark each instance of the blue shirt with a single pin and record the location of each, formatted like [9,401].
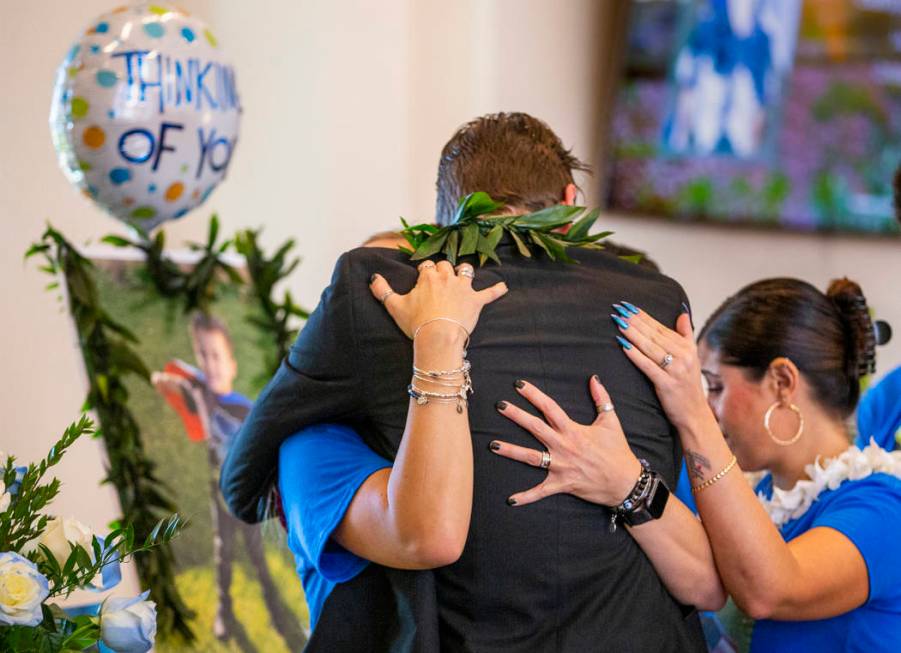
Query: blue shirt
[879,413]
[320,470]
[867,512]
[226,414]
[683,489]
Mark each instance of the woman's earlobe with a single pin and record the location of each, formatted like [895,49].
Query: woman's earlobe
[785,375]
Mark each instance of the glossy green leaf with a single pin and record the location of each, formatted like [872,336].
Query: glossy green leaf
[549,218]
[117,241]
[431,246]
[583,225]
[469,240]
[450,247]
[520,245]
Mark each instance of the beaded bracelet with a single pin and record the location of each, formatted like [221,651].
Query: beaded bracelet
[635,498]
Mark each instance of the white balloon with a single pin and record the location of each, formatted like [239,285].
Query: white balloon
[145,113]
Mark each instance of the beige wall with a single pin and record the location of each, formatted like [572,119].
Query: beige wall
[347,104]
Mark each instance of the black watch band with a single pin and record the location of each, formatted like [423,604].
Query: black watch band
[653,505]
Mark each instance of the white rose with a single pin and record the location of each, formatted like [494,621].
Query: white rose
[59,533]
[128,625]
[22,590]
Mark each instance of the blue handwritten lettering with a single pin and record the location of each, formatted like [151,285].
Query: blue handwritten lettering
[139,158]
[163,147]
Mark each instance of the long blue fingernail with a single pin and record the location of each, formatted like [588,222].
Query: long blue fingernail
[631,307]
[622,311]
[625,343]
[620,322]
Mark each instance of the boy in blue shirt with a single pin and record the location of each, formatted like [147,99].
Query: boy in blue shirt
[210,394]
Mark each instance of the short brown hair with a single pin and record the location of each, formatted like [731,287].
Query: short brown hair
[515,158]
[201,321]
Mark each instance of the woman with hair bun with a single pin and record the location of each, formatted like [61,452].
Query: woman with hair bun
[812,554]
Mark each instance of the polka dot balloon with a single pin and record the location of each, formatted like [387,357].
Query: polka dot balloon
[145,113]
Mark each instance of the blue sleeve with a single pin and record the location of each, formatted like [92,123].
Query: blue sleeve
[320,470]
[868,513]
[879,413]
[683,490]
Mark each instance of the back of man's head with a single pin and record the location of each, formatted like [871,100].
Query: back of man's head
[515,158]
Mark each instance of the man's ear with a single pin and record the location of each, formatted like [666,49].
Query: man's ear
[569,195]
[784,377]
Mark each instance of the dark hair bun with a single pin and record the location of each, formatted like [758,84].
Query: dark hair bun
[852,306]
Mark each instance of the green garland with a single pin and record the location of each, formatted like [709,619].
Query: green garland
[277,317]
[109,354]
[475,230]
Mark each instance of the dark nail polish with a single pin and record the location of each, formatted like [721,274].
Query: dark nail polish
[625,343]
[620,322]
[622,311]
[631,307]
[372,278]
[511,501]
[495,445]
[685,309]
[501,405]
[520,384]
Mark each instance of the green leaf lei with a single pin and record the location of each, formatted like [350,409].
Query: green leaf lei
[470,233]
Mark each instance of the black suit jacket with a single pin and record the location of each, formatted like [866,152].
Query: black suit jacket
[542,577]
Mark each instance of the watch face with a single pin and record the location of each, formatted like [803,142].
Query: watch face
[658,499]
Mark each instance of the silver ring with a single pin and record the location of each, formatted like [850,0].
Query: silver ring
[387,294]
[425,265]
[667,361]
[606,407]
[466,270]
[545,460]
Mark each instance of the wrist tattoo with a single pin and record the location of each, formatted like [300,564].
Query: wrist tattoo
[698,466]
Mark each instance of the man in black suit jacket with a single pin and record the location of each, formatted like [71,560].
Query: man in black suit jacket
[544,577]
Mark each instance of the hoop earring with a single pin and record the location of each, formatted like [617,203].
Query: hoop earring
[769,432]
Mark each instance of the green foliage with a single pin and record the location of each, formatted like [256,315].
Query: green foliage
[22,524]
[23,521]
[108,348]
[197,287]
[278,317]
[476,231]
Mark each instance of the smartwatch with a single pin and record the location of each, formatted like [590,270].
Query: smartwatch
[653,505]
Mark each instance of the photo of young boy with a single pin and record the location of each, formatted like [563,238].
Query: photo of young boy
[239,582]
[205,397]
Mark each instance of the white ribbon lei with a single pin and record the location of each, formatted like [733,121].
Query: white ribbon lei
[851,465]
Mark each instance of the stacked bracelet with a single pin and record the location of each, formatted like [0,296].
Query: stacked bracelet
[635,498]
[457,378]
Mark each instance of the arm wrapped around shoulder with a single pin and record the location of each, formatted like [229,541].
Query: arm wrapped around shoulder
[317,382]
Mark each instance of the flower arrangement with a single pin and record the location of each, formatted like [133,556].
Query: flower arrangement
[45,557]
